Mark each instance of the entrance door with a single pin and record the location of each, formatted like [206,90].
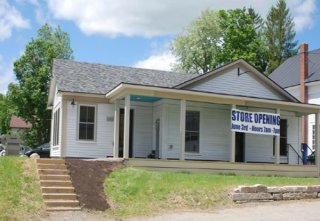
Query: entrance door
[157,138]
[121,133]
[240,146]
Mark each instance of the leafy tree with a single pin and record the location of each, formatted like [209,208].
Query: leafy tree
[241,38]
[197,48]
[6,111]
[257,21]
[33,73]
[216,38]
[279,35]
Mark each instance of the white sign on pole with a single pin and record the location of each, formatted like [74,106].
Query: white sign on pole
[255,122]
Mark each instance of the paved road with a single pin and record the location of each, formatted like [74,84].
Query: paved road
[272,211]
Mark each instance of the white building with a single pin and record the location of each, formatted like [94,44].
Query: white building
[300,76]
[103,111]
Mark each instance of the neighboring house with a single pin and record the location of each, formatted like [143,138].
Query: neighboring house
[18,124]
[112,111]
[300,76]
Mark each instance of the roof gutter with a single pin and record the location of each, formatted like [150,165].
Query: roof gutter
[80,94]
[123,89]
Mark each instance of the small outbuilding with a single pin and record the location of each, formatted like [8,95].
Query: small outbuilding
[18,124]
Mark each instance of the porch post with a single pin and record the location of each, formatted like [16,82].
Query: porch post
[116,129]
[126,127]
[277,146]
[317,142]
[233,143]
[182,128]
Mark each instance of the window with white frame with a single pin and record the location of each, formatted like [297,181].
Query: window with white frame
[56,127]
[86,122]
[192,131]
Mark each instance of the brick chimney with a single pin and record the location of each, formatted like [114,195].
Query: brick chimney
[303,89]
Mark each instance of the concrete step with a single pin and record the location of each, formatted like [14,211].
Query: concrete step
[60,209]
[53,171]
[55,177]
[51,166]
[57,189]
[48,183]
[59,196]
[62,203]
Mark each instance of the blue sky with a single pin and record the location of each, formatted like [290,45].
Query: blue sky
[125,32]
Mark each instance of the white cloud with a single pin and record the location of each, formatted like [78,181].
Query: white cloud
[10,18]
[161,61]
[6,74]
[156,18]
[144,17]
[303,15]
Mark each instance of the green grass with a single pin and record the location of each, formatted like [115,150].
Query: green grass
[138,192]
[20,194]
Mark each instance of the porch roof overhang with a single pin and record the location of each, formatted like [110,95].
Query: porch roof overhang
[124,89]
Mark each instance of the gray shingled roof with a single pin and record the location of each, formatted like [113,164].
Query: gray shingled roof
[288,73]
[73,76]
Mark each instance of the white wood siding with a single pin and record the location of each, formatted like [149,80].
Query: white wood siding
[294,137]
[172,123]
[259,148]
[142,129]
[55,151]
[314,94]
[229,82]
[157,114]
[313,98]
[57,103]
[103,144]
[214,131]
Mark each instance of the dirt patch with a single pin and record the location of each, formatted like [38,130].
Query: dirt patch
[88,179]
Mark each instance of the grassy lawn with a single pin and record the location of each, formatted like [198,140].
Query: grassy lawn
[20,194]
[139,192]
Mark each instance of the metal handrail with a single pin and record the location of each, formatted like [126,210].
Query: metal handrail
[312,151]
[298,155]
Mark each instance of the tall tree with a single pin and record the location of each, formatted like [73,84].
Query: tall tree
[33,73]
[242,38]
[256,19]
[279,35]
[197,48]
[216,38]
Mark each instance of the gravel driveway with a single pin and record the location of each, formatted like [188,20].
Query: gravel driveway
[271,211]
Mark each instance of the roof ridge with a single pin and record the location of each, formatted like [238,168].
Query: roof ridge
[121,66]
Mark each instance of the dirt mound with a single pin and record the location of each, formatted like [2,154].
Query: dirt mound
[88,178]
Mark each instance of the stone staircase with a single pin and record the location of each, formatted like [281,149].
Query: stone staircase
[57,189]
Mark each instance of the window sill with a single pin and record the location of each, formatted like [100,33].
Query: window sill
[55,147]
[87,141]
[281,157]
[192,154]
